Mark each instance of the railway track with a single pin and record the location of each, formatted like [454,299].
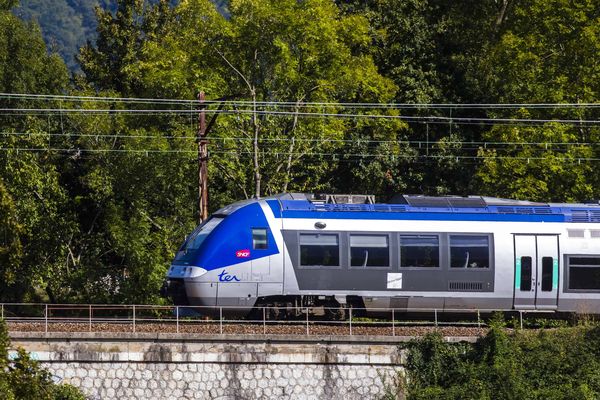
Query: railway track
[66,318]
[247,328]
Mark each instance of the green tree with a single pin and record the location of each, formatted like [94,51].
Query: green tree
[24,378]
[35,209]
[289,51]
[431,49]
[120,38]
[546,53]
[554,364]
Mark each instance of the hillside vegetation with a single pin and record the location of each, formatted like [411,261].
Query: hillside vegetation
[67,25]
[23,378]
[97,195]
[548,364]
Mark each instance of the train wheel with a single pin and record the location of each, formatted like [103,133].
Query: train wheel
[334,311]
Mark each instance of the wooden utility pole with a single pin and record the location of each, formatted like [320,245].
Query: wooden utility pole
[202,161]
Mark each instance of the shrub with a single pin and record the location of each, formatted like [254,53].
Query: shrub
[24,378]
[561,363]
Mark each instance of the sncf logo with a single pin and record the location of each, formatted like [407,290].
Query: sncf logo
[242,253]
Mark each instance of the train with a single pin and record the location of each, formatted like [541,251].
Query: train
[413,252]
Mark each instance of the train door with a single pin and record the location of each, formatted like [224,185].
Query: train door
[536,272]
[547,283]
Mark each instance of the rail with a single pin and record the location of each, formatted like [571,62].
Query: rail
[237,320]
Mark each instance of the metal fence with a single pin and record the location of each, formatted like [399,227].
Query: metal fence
[238,320]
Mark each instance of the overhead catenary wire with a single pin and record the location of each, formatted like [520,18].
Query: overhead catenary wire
[406,118]
[465,144]
[274,109]
[491,122]
[72,151]
[295,104]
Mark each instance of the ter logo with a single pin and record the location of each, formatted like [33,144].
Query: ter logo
[225,277]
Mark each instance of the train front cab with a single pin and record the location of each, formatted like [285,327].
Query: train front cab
[230,265]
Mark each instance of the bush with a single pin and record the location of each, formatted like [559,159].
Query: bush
[561,363]
[23,378]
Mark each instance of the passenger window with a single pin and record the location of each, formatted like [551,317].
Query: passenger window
[369,251]
[259,238]
[468,251]
[319,249]
[547,273]
[419,251]
[526,271]
[584,273]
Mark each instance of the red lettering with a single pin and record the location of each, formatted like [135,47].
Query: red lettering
[242,253]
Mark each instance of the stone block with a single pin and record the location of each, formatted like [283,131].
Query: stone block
[287,372]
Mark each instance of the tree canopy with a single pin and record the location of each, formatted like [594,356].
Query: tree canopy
[98,189]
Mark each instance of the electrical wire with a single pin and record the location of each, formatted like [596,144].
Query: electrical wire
[75,151]
[409,144]
[406,118]
[47,97]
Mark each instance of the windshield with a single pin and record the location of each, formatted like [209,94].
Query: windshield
[193,243]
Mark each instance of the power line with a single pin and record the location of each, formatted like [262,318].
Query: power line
[417,144]
[453,122]
[46,97]
[72,151]
[405,118]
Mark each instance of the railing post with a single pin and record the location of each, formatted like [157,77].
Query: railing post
[478,320]
[307,331]
[2,316]
[134,318]
[264,321]
[46,318]
[90,317]
[350,313]
[221,320]
[436,319]
[521,318]
[393,323]
[177,318]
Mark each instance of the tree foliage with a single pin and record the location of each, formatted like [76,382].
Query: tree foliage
[546,53]
[22,377]
[557,364]
[100,219]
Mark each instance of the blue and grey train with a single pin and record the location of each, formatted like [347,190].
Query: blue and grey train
[415,252]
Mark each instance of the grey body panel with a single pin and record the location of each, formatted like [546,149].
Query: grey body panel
[347,278]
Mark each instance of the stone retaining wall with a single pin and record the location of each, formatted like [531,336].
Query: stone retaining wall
[179,367]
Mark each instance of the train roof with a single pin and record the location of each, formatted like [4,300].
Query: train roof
[301,205]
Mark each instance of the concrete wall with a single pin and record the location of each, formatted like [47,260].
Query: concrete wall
[155,366]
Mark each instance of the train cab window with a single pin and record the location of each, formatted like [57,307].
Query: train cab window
[584,273]
[469,251]
[319,249]
[188,251]
[259,238]
[369,251]
[421,251]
